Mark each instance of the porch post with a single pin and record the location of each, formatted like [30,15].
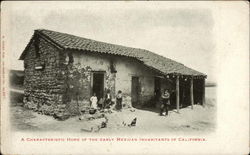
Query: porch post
[177,94]
[192,92]
[203,92]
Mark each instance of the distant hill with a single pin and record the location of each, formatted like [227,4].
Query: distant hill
[210,84]
[16,78]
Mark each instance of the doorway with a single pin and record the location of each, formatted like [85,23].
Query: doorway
[98,85]
[185,99]
[135,91]
[198,91]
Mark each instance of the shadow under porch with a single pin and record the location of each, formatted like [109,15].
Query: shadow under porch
[185,91]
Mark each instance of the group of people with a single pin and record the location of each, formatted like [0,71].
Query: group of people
[107,102]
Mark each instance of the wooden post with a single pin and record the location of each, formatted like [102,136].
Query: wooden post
[177,93]
[203,92]
[192,92]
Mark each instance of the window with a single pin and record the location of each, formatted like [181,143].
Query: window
[69,59]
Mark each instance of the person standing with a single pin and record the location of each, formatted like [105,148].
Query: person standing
[94,100]
[119,101]
[165,103]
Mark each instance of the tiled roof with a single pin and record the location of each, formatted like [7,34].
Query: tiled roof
[150,59]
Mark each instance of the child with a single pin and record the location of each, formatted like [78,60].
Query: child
[94,100]
[119,101]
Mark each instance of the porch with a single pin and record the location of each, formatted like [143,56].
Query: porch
[185,90]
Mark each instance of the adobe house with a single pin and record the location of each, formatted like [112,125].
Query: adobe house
[62,71]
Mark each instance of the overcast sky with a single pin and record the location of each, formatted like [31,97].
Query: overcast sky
[184,34]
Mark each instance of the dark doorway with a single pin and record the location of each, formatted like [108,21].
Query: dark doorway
[98,84]
[185,93]
[135,91]
[198,91]
[157,89]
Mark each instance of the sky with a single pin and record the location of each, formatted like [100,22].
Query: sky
[184,34]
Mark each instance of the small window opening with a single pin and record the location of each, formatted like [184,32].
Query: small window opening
[69,59]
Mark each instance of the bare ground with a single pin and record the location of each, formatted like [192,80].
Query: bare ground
[189,121]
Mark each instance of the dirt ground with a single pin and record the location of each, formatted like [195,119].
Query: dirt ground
[199,120]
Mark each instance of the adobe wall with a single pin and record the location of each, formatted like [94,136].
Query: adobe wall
[121,80]
[86,64]
[126,69]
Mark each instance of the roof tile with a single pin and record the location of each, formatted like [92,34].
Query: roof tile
[150,59]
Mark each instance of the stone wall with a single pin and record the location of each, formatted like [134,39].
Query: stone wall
[77,87]
[43,83]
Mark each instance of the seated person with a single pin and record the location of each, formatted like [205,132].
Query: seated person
[107,100]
